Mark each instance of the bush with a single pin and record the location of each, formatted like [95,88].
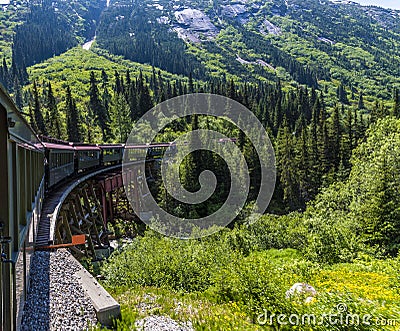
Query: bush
[268,232]
[163,262]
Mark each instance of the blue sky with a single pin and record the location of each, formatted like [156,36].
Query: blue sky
[382,3]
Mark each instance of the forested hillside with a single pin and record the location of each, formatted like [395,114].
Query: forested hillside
[316,74]
[38,30]
[323,77]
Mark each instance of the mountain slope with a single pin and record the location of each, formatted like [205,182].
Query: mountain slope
[304,41]
[310,42]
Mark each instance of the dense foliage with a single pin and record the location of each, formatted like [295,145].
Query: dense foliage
[246,270]
[10,17]
[313,140]
[37,30]
[323,79]
[137,38]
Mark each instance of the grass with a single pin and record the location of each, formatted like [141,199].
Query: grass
[238,293]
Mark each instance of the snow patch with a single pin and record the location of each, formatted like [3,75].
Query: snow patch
[270,27]
[156,6]
[163,20]
[88,44]
[256,62]
[326,40]
[242,61]
[343,2]
[265,64]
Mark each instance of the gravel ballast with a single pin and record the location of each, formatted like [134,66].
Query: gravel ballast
[56,300]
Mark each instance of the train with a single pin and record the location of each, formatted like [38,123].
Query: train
[64,160]
[30,166]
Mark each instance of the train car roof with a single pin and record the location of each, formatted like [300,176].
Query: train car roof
[57,146]
[110,145]
[143,146]
[161,144]
[130,146]
[82,147]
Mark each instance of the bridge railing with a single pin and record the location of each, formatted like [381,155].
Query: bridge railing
[21,197]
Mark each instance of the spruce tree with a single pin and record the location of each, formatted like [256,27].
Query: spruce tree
[133,102]
[145,102]
[32,121]
[18,94]
[53,117]
[355,128]
[342,94]
[286,163]
[39,120]
[120,118]
[73,123]
[303,163]
[349,141]
[106,97]
[98,108]
[336,138]
[396,106]
[191,85]
[361,102]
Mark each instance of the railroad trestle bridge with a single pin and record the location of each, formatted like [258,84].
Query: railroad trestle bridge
[54,194]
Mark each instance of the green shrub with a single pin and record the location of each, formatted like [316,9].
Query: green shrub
[163,262]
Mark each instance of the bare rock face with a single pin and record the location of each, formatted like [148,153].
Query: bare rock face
[192,24]
[234,10]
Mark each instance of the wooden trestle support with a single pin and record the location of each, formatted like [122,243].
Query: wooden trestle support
[87,211]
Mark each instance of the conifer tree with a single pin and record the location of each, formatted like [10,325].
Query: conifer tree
[73,123]
[355,128]
[106,97]
[374,115]
[323,142]
[145,102]
[348,141]
[53,117]
[18,94]
[303,163]
[32,121]
[286,165]
[39,120]
[191,85]
[120,118]
[98,108]
[342,94]
[336,137]
[396,106]
[232,90]
[118,88]
[133,102]
[361,102]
